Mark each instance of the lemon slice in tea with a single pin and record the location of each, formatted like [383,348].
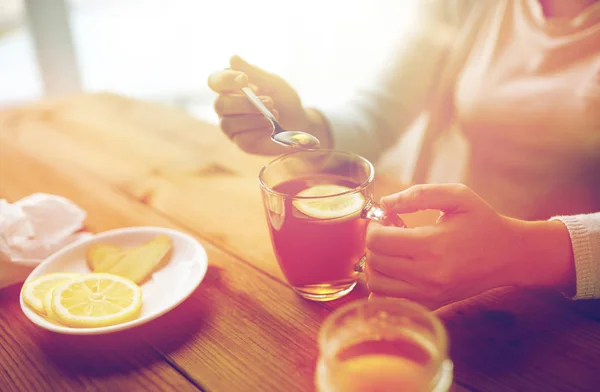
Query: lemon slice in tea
[329,207]
[97,300]
[34,291]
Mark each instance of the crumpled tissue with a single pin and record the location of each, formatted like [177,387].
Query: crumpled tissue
[33,228]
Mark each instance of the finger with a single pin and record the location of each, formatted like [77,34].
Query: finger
[383,285]
[398,241]
[234,125]
[255,73]
[428,304]
[444,197]
[227,80]
[403,268]
[234,104]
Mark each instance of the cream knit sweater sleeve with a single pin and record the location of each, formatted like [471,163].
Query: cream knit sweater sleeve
[375,116]
[585,239]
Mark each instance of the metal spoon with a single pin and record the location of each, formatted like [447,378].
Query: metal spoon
[294,139]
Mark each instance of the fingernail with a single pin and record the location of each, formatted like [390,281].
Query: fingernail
[241,79]
[267,101]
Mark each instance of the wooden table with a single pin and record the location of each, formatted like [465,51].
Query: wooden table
[130,163]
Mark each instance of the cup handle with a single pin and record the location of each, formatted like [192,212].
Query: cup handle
[374,212]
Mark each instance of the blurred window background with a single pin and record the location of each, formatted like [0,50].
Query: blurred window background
[164,50]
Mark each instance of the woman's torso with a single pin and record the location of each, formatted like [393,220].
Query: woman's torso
[528,103]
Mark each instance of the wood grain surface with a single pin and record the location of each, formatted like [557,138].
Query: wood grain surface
[131,163]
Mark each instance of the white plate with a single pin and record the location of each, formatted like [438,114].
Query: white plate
[167,288]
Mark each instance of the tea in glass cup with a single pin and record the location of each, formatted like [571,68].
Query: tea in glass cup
[383,344]
[318,205]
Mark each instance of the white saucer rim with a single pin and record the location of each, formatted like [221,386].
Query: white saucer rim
[200,257]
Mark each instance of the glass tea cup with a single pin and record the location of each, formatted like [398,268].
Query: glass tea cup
[383,344]
[318,204]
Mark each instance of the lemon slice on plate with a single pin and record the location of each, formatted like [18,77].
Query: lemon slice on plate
[329,207]
[47,301]
[34,291]
[97,300]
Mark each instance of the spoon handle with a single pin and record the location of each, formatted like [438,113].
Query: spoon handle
[258,103]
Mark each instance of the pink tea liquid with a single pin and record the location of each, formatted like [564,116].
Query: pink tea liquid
[317,255]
